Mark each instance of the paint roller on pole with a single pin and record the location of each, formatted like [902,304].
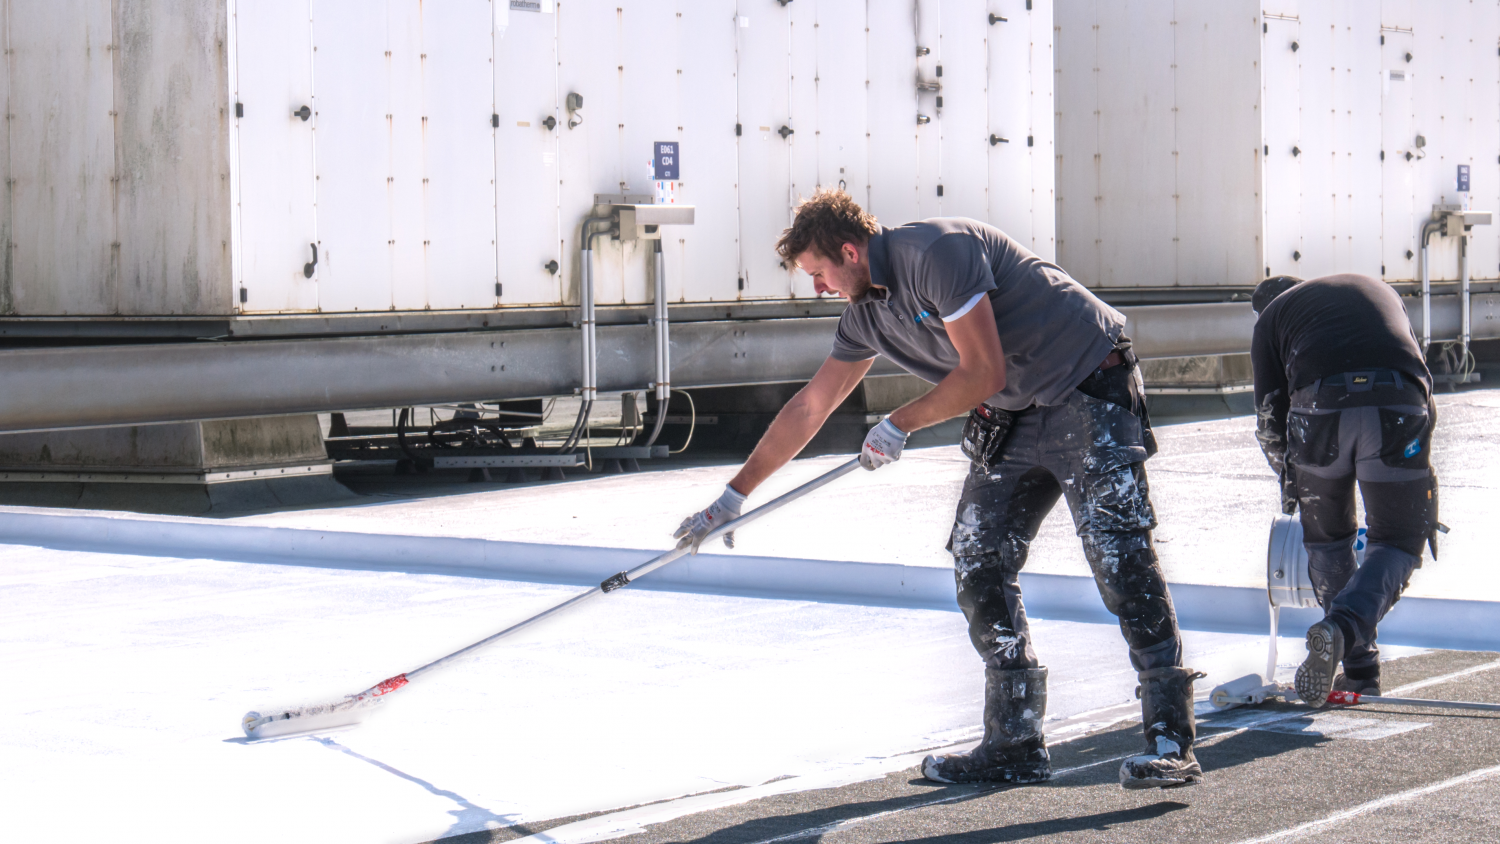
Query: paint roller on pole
[356,707]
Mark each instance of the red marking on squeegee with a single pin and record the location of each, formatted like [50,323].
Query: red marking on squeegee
[1347,698]
[385,687]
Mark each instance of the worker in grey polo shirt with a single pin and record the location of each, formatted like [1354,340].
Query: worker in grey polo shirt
[1055,410]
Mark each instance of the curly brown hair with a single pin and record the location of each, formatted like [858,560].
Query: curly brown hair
[827,221]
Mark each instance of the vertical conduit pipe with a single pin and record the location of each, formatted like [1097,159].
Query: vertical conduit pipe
[1463,300]
[1428,228]
[663,328]
[663,384]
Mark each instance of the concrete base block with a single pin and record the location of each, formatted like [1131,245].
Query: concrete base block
[185,468]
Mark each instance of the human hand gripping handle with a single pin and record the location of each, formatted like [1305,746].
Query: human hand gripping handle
[882,445]
[722,511]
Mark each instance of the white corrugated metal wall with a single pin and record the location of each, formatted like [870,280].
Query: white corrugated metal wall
[1205,142]
[435,167]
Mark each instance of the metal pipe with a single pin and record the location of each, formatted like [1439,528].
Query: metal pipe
[1427,230]
[1463,299]
[143,384]
[663,382]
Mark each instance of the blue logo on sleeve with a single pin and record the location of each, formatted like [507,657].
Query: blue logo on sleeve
[1413,449]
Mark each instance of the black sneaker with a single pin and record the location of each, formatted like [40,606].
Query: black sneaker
[1325,649]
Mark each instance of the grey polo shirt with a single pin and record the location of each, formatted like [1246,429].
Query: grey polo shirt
[1053,331]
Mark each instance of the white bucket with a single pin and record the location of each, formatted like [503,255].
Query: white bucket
[1287,580]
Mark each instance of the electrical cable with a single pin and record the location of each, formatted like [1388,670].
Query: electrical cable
[692,420]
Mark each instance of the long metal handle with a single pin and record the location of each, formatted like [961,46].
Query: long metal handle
[684,548]
[1354,698]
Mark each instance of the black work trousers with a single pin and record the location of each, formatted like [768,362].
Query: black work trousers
[1091,450]
[1373,428]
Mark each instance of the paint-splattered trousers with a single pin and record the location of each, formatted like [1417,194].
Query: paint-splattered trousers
[1090,450]
[1375,428]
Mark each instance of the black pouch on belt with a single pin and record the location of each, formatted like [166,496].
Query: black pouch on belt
[985,433]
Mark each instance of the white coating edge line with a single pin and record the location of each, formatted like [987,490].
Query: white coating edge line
[1363,808]
[1433,681]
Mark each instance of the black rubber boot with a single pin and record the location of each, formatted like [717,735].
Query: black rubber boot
[1013,749]
[1325,649]
[1167,718]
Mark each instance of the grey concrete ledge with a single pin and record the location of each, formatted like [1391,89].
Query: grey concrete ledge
[1419,622]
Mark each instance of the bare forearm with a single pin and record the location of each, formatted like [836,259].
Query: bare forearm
[958,393]
[789,433]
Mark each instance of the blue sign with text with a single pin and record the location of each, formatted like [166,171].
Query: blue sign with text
[665,162]
[1463,178]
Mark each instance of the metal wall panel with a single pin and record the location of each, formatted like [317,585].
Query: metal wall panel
[526,164]
[841,149]
[1042,146]
[764,70]
[273,156]
[1312,49]
[172,202]
[1398,221]
[1438,113]
[1137,173]
[404,62]
[803,102]
[1281,104]
[1077,173]
[62,160]
[458,154]
[352,70]
[654,113]
[963,121]
[1218,144]
[927,22]
[1484,132]
[1362,128]
[703,260]
[1339,103]
[6,303]
[591,62]
[892,113]
[1008,166]
[1454,95]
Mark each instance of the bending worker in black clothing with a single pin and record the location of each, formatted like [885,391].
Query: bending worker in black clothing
[1055,409]
[1343,394]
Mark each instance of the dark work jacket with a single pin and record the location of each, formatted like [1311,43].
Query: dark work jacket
[1323,327]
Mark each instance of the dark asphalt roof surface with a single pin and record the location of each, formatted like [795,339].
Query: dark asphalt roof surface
[1272,773]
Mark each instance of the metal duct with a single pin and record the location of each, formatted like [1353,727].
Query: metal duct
[83,387]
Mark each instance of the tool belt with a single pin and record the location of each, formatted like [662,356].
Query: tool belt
[988,426]
[984,433]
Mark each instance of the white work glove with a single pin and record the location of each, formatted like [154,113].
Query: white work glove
[882,445]
[726,509]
